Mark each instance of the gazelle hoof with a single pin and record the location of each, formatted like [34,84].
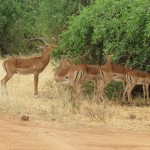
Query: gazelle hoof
[130,103]
[36,96]
[123,103]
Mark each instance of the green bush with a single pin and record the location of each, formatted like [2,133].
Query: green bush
[23,19]
[121,28]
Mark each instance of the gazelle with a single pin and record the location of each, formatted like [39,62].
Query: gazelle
[106,76]
[93,74]
[122,74]
[107,72]
[137,78]
[62,70]
[34,65]
[72,75]
[120,71]
[91,71]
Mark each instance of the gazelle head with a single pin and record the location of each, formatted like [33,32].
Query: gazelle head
[64,62]
[47,47]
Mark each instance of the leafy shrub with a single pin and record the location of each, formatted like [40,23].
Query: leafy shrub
[121,28]
[23,19]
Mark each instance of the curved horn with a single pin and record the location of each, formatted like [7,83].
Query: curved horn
[108,58]
[39,39]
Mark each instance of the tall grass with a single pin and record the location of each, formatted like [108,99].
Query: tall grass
[55,105]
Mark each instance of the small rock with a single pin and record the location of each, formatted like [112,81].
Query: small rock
[132,117]
[25,118]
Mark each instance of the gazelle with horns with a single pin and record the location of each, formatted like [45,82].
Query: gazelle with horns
[34,65]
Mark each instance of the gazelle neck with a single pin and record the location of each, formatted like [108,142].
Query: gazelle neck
[45,55]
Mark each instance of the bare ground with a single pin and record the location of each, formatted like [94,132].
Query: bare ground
[28,135]
[66,129]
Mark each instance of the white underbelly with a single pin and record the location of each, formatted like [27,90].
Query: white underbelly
[66,82]
[24,72]
[118,80]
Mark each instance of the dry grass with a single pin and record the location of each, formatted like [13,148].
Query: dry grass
[55,105]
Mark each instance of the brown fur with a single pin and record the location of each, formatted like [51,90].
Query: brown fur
[137,78]
[120,71]
[71,74]
[34,65]
[67,74]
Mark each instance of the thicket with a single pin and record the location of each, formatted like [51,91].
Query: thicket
[118,27]
[95,29]
[88,29]
[23,19]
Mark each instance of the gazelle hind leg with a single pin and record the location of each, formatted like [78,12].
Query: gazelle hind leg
[144,93]
[4,82]
[3,92]
[147,93]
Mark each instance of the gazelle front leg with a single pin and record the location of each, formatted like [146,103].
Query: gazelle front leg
[103,96]
[95,89]
[36,77]
[123,101]
[100,92]
[77,91]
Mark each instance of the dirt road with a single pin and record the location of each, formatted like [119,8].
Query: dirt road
[20,135]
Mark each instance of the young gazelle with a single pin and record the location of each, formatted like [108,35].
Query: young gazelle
[136,78]
[120,71]
[34,65]
[107,72]
[72,75]
[91,72]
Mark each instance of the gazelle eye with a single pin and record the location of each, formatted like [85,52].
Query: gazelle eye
[67,77]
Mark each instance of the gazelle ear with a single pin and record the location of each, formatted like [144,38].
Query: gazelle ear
[111,55]
[40,48]
[52,45]
[62,56]
[109,58]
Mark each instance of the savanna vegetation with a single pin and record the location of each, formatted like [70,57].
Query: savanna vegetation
[54,105]
[121,28]
[85,31]
[21,20]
